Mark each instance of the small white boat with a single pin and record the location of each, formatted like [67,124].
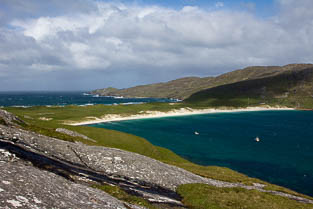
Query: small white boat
[257,139]
[196,133]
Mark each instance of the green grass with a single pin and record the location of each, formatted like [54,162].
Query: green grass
[77,113]
[201,196]
[124,141]
[52,133]
[124,196]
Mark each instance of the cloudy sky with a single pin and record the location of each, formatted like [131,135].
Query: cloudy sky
[88,44]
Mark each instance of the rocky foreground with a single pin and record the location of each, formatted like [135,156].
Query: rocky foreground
[43,172]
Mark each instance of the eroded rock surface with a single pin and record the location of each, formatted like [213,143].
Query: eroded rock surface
[64,163]
[9,119]
[24,186]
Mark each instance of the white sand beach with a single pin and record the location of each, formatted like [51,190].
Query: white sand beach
[171,113]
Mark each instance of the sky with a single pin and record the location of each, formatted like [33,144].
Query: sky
[90,44]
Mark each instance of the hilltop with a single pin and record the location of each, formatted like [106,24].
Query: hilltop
[178,89]
[184,87]
[292,87]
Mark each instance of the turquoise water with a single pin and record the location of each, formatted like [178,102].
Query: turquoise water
[284,155]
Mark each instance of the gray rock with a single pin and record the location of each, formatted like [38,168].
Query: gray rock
[86,165]
[69,160]
[23,186]
[9,119]
[73,133]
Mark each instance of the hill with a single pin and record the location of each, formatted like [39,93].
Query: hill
[291,87]
[185,87]
[179,89]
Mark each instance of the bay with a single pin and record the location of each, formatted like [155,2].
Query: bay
[283,156]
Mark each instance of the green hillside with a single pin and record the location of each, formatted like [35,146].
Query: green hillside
[115,139]
[180,88]
[292,87]
[185,87]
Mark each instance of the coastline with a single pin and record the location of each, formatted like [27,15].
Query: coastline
[171,113]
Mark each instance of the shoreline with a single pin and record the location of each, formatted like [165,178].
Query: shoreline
[171,113]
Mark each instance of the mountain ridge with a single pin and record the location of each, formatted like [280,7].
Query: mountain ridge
[183,88]
[292,88]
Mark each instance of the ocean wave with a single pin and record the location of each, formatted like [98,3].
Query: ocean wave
[114,97]
[88,104]
[130,103]
[25,100]
[54,105]
[57,105]
[175,100]
[22,106]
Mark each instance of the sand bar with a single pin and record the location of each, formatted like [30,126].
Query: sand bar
[171,113]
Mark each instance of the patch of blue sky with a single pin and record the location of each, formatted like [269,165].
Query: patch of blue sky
[261,8]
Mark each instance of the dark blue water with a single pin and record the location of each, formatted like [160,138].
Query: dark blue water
[65,98]
[284,155]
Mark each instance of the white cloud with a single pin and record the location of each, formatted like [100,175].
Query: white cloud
[219,4]
[157,42]
[250,6]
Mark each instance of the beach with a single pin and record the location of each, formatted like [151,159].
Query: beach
[171,113]
[229,140]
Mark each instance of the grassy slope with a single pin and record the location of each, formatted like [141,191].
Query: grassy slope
[77,113]
[184,87]
[179,88]
[201,196]
[291,88]
[115,139]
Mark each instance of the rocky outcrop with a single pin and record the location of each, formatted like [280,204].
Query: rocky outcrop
[24,186]
[73,133]
[77,162]
[43,172]
[9,119]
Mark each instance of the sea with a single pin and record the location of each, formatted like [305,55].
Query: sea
[48,98]
[283,155]
[275,146]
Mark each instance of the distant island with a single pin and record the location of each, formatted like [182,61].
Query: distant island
[289,85]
